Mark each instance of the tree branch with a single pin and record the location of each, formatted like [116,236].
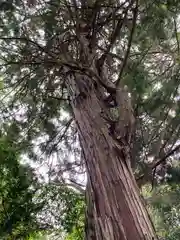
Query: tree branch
[176,34]
[114,35]
[25,40]
[170,153]
[129,43]
[58,98]
[154,166]
[77,186]
[114,55]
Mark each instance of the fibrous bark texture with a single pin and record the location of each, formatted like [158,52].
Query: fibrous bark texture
[116,206]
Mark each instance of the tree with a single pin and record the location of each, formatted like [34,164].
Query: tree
[111,66]
[63,211]
[30,209]
[163,203]
[17,189]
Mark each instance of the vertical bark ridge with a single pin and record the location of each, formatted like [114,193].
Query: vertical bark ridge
[119,212]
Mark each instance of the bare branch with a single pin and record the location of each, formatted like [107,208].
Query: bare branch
[170,153]
[58,98]
[176,34]
[25,40]
[129,44]
[114,55]
[162,160]
[77,186]
[115,35]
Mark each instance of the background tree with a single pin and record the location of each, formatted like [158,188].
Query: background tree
[17,189]
[30,209]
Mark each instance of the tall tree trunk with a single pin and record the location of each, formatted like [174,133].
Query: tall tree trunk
[118,211]
[115,208]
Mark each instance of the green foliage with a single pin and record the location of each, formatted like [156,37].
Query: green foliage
[64,207]
[74,212]
[163,203]
[17,190]
[76,234]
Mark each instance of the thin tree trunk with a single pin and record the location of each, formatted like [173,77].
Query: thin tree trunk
[118,211]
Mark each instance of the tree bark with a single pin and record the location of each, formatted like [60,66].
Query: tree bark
[115,209]
[118,211]
[90,226]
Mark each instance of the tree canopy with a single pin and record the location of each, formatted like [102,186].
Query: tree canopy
[137,44]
